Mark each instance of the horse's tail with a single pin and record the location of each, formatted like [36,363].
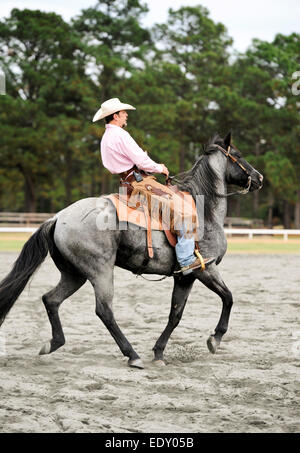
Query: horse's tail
[32,255]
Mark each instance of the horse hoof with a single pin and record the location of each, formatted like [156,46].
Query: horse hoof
[159,363]
[212,344]
[136,363]
[46,349]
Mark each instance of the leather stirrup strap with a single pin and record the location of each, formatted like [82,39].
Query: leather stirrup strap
[149,235]
[198,254]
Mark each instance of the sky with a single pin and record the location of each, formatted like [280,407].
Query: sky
[243,19]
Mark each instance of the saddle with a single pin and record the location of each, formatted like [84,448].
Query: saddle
[153,206]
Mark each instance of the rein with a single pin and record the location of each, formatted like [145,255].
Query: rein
[235,161]
[151,279]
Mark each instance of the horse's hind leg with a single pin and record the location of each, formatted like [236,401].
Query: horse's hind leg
[103,285]
[66,287]
[212,280]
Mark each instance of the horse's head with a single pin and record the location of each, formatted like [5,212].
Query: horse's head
[221,163]
[239,171]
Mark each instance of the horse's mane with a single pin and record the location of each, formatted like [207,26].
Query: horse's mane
[201,179]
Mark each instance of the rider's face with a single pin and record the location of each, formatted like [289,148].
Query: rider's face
[122,118]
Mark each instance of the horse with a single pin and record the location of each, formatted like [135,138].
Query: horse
[83,248]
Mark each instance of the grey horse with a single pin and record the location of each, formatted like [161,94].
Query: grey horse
[83,247]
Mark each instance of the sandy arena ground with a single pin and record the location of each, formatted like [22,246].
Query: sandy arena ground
[250,385]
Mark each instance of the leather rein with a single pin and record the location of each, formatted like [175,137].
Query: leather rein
[235,161]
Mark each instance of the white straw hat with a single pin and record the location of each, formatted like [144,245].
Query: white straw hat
[111,106]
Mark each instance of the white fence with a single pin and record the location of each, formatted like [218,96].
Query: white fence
[262,231]
[17,230]
[228,231]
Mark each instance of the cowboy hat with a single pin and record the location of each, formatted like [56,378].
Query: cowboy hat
[109,107]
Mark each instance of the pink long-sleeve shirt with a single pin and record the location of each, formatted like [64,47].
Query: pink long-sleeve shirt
[119,152]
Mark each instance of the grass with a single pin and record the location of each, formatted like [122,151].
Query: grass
[13,242]
[263,246]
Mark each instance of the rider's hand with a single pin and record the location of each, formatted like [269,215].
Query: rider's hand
[165,171]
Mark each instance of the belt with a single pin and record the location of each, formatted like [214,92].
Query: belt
[126,173]
[128,177]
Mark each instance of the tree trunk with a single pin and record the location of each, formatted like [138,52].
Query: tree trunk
[270,209]
[255,203]
[297,211]
[69,177]
[30,198]
[181,160]
[286,215]
[93,183]
[256,192]
[104,185]
[238,207]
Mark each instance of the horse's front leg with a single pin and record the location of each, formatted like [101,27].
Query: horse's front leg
[212,280]
[181,291]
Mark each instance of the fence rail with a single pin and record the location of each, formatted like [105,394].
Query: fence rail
[250,232]
[18,229]
[240,222]
[23,219]
[228,231]
[34,219]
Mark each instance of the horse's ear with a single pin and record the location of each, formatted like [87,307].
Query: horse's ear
[227,140]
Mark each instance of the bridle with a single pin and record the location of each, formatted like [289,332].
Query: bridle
[235,161]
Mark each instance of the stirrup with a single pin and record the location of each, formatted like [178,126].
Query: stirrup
[203,262]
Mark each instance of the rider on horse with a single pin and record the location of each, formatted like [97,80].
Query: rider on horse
[121,155]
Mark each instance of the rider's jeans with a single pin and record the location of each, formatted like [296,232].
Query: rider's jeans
[185,250]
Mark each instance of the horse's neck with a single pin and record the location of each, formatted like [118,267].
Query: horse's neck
[218,163]
[221,207]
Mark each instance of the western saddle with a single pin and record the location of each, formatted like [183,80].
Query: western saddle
[143,201]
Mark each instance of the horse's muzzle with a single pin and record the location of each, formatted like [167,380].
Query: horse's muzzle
[256,182]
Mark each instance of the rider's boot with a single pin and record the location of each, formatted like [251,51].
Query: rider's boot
[203,263]
[185,252]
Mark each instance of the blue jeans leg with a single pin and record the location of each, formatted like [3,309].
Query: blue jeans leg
[185,250]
